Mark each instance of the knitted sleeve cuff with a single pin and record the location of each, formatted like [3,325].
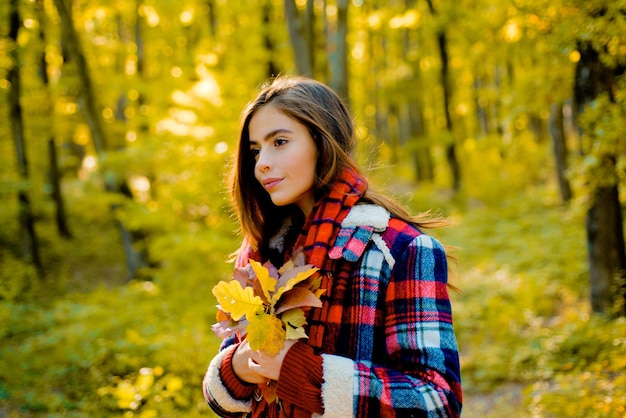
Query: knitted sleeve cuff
[218,395]
[300,379]
[237,387]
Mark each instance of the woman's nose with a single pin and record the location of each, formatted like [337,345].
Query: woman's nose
[263,163]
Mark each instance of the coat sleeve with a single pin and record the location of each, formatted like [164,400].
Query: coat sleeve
[420,375]
[223,391]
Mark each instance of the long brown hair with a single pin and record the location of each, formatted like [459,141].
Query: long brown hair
[329,122]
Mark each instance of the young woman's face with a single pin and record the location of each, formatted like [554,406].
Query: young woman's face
[286,157]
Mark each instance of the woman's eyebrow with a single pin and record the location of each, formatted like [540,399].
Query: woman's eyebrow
[272,134]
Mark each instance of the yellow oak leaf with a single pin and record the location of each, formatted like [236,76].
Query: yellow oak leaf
[289,284]
[266,333]
[314,282]
[268,283]
[294,320]
[236,300]
[295,333]
[294,317]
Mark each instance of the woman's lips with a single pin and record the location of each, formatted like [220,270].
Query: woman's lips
[271,183]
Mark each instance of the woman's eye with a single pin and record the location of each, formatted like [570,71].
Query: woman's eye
[255,152]
[280,142]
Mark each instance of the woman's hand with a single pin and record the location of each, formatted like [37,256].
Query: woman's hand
[241,364]
[267,366]
[257,367]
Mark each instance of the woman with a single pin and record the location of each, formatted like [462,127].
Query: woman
[382,344]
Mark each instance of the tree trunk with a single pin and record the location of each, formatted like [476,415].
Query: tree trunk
[87,100]
[453,162]
[272,67]
[538,127]
[57,195]
[480,106]
[141,50]
[422,159]
[54,171]
[43,65]
[495,106]
[559,145]
[29,242]
[309,32]
[91,112]
[605,241]
[379,96]
[212,17]
[604,223]
[413,106]
[298,39]
[338,52]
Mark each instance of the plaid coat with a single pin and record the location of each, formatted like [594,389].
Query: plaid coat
[389,349]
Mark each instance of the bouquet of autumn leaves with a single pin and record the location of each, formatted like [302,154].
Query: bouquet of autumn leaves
[267,304]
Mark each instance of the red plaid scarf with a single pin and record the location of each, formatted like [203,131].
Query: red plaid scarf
[318,237]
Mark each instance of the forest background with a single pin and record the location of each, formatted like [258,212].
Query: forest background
[118,122]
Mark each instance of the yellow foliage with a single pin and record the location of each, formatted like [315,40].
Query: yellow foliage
[174,384]
[237,301]
[271,319]
[148,413]
[125,393]
[292,282]
[268,283]
[266,333]
[271,305]
[144,382]
[294,321]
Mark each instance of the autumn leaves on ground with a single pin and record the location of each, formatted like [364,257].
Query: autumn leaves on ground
[504,116]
